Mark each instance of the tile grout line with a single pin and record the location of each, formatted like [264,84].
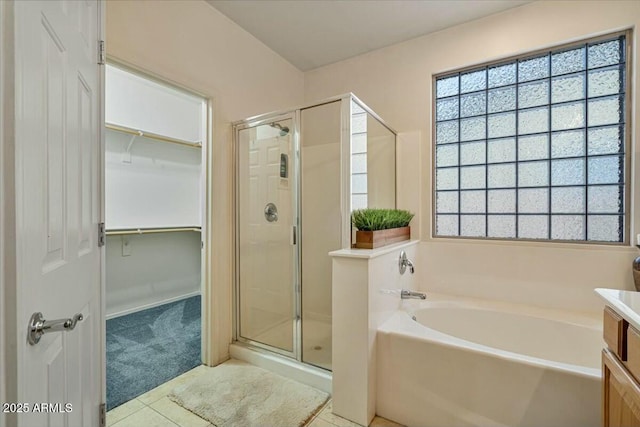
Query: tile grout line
[122,419]
[127,416]
[163,416]
[317,414]
[182,407]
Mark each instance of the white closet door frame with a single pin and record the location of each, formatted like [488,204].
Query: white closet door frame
[210,342]
[210,295]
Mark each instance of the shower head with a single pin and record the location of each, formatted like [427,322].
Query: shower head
[283,129]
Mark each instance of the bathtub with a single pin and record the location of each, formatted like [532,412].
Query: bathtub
[454,362]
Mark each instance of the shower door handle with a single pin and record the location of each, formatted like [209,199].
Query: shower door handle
[293,234]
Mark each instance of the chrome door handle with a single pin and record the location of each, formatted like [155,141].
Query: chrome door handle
[38,326]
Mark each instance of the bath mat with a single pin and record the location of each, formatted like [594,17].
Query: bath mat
[239,394]
[150,347]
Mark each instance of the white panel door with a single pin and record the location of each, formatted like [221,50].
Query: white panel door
[58,94]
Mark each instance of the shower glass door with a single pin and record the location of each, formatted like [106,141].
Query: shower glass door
[267,251]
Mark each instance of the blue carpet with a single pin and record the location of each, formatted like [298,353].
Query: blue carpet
[150,347]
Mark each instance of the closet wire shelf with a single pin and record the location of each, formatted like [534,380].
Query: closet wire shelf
[134,231]
[136,132]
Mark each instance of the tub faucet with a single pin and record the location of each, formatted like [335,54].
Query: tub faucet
[407,294]
[404,262]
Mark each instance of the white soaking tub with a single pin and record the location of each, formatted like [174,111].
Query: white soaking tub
[453,362]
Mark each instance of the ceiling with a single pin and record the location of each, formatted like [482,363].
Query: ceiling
[313,33]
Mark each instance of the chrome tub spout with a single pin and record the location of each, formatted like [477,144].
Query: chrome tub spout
[407,294]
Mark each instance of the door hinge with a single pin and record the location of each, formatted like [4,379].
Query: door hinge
[101,53]
[103,415]
[102,235]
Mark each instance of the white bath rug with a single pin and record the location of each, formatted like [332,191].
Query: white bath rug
[239,394]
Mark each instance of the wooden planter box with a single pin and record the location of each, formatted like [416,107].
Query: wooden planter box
[375,239]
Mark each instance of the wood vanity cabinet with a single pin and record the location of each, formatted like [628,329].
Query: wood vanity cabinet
[621,371]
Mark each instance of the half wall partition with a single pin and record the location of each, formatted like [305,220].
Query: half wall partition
[299,174]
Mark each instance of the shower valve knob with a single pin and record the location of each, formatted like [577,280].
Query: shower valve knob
[271,212]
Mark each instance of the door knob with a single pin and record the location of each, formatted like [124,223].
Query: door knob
[38,326]
[271,212]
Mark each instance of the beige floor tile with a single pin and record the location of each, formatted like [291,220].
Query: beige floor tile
[383,422]
[178,414]
[319,422]
[123,411]
[146,417]
[195,371]
[156,394]
[328,407]
[188,376]
[329,416]
[164,389]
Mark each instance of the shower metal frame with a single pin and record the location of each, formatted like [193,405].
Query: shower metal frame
[296,278]
[345,225]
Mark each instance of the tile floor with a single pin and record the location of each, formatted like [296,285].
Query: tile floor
[154,409]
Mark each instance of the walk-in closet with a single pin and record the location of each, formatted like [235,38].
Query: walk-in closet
[153,216]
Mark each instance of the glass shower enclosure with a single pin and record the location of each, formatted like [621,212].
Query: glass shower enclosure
[299,174]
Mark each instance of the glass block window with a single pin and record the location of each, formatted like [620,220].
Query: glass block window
[533,147]
[359,199]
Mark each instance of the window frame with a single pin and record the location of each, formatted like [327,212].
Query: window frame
[628,159]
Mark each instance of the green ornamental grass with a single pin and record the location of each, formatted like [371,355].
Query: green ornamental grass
[380,219]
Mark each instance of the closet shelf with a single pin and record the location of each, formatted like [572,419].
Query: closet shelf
[132,231]
[151,135]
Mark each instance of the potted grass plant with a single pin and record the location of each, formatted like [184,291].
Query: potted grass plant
[379,227]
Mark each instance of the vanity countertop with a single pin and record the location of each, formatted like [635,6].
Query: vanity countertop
[625,303]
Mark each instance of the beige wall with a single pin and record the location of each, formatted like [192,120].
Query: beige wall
[396,83]
[192,44]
